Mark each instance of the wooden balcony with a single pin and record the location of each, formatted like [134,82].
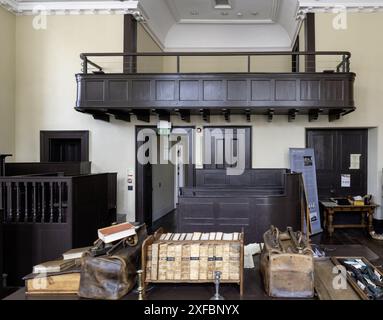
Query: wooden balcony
[124,94]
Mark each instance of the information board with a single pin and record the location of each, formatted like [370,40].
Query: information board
[302,160]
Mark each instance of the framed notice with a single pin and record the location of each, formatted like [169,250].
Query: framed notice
[302,160]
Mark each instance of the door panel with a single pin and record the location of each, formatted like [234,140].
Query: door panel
[323,142]
[333,149]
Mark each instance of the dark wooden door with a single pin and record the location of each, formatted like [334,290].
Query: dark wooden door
[340,152]
[215,147]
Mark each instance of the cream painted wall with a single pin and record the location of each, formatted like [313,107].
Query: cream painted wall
[228,64]
[46,64]
[7,82]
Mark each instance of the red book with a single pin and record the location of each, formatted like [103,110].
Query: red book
[116,232]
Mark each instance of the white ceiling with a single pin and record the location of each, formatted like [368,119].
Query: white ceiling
[241,11]
[195,25]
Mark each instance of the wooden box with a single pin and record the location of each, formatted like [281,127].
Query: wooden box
[171,258]
[351,280]
[286,273]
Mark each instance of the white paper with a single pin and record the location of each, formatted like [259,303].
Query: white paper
[355,161]
[345,181]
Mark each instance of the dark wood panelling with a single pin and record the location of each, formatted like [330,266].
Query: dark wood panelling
[94,90]
[237,90]
[165,90]
[237,93]
[67,168]
[213,90]
[334,90]
[285,90]
[262,178]
[230,208]
[261,90]
[310,90]
[189,90]
[118,90]
[43,216]
[141,90]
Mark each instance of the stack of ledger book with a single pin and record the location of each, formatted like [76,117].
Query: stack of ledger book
[194,257]
[56,276]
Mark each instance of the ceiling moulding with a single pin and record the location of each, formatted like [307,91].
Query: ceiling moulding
[177,16]
[336,6]
[73,7]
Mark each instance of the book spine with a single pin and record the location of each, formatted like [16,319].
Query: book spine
[226,261]
[210,262]
[194,261]
[203,263]
[235,255]
[148,270]
[154,270]
[185,263]
[218,257]
[162,263]
[170,258]
[178,262]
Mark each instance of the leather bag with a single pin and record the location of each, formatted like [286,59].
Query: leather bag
[112,275]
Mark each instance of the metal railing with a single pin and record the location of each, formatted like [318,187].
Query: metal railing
[309,65]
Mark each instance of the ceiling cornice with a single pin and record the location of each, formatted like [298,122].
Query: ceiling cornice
[335,6]
[73,7]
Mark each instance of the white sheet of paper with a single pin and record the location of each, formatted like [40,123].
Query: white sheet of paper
[345,181]
[355,161]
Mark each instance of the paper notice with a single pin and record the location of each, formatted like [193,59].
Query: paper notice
[355,161]
[345,181]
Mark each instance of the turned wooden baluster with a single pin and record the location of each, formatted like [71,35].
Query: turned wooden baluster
[42,202]
[26,202]
[51,201]
[60,219]
[34,204]
[9,201]
[18,201]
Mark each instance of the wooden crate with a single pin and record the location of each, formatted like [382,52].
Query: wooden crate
[351,280]
[191,279]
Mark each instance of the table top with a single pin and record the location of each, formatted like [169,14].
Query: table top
[332,204]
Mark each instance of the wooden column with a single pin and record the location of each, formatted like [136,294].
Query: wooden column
[310,41]
[295,59]
[130,43]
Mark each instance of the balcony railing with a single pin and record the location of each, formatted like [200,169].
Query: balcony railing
[336,61]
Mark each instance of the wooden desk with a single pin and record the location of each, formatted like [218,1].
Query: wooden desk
[331,208]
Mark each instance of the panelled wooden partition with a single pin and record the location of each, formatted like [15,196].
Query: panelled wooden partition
[43,216]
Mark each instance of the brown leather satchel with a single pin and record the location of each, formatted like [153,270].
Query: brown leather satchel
[113,275]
